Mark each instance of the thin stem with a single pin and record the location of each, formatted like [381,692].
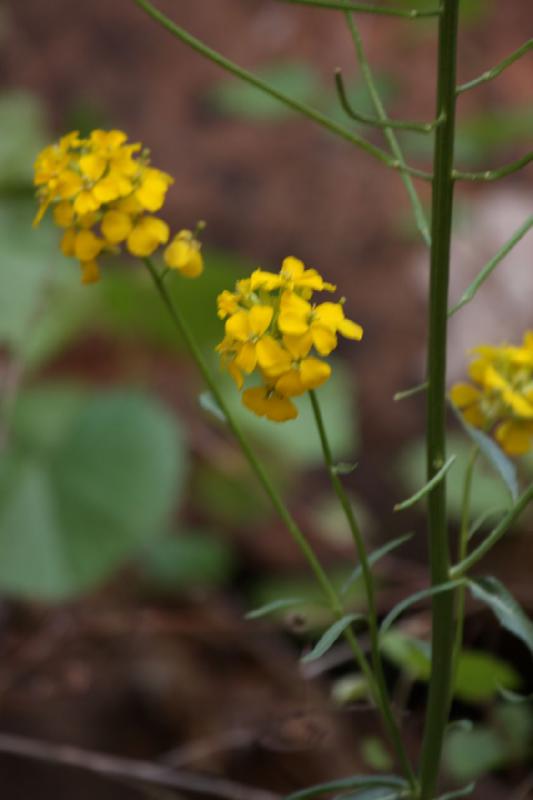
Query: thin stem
[295,105]
[491,265]
[364,8]
[501,528]
[368,581]
[442,205]
[375,122]
[461,554]
[496,174]
[324,582]
[492,73]
[418,211]
[256,466]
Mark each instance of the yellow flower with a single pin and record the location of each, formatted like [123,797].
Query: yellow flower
[154,186]
[272,327]
[265,401]
[184,254]
[500,400]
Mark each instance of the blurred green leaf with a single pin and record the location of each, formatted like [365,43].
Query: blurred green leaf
[281,604]
[411,655]
[330,636]
[375,754]
[479,676]
[231,498]
[79,499]
[485,134]
[189,559]
[360,782]
[487,490]
[23,129]
[235,98]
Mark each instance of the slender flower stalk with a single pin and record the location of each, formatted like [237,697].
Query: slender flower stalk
[368,580]
[442,603]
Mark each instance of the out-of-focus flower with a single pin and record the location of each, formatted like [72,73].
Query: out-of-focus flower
[184,254]
[500,398]
[272,328]
[103,192]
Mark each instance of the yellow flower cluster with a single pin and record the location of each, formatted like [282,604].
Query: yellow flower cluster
[500,400]
[104,193]
[272,327]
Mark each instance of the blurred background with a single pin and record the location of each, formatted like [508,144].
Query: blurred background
[133,538]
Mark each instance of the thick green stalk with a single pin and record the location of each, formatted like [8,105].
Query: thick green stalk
[461,554]
[439,550]
[384,700]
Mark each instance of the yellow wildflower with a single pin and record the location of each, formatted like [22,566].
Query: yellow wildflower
[272,327]
[184,254]
[500,400]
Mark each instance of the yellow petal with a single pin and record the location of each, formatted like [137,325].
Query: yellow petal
[329,315]
[272,357]
[85,203]
[267,403]
[514,437]
[147,235]
[260,279]
[464,394]
[350,330]
[314,372]
[69,184]
[87,246]
[238,326]
[93,166]
[90,272]
[116,226]
[324,339]
[290,384]
[183,254]
[63,214]
[260,319]
[154,186]
[68,241]
[292,324]
[298,346]
[246,357]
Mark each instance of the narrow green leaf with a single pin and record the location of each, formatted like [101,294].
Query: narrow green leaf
[482,519]
[459,725]
[275,605]
[494,455]
[466,790]
[436,479]
[514,697]
[374,557]
[371,794]
[353,782]
[393,615]
[330,636]
[208,403]
[501,602]
[344,468]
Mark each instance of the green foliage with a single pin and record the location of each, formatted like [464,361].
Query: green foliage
[375,754]
[508,612]
[360,782]
[192,558]
[470,754]
[84,482]
[23,134]
[479,675]
[488,490]
[330,636]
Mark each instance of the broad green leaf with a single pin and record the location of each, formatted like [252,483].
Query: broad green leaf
[353,782]
[275,605]
[494,454]
[237,99]
[411,655]
[374,557]
[80,498]
[501,602]
[190,558]
[488,490]
[23,129]
[480,675]
[329,637]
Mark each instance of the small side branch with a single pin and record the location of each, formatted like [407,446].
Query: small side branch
[301,108]
[375,122]
[132,770]
[427,488]
[365,8]
[487,270]
[496,174]
[490,74]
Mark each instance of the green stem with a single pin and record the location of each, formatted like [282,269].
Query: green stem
[490,74]
[418,211]
[461,554]
[439,553]
[295,105]
[495,174]
[384,700]
[501,528]
[364,8]
[324,582]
